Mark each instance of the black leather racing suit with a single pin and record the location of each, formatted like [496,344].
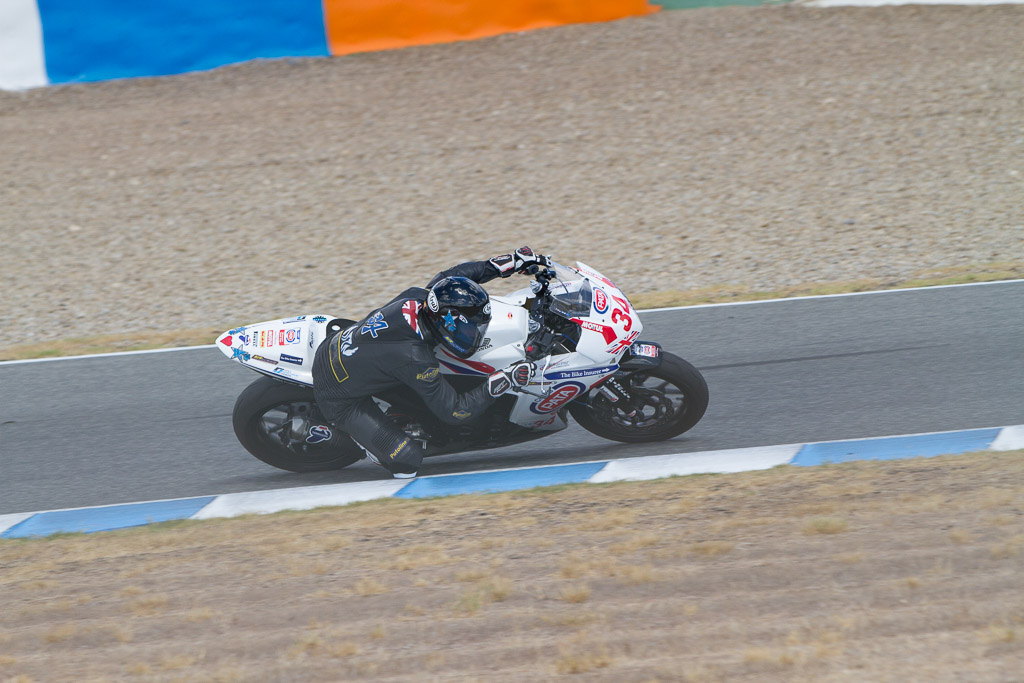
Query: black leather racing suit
[389,348]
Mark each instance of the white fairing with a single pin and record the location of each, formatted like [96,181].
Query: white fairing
[285,348]
[281,348]
[609,327]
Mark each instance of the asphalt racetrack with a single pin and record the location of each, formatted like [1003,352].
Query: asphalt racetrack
[95,431]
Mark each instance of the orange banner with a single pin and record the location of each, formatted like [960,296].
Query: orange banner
[365,25]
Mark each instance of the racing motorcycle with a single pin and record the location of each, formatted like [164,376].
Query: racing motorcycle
[573,322]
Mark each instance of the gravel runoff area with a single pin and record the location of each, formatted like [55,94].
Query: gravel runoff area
[763,146]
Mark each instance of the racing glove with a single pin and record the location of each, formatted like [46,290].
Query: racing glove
[522,260]
[515,376]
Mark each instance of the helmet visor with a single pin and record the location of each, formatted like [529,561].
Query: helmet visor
[462,331]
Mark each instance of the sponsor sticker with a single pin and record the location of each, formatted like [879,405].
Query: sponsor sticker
[432,302]
[265,360]
[319,318]
[646,350]
[399,447]
[600,300]
[428,375]
[499,386]
[595,275]
[562,394]
[461,414]
[374,324]
[291,359]
[588,372]
[318,433]
[607,332]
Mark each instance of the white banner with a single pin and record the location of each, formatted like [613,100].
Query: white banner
[22,64]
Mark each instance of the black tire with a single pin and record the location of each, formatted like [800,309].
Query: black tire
[666,413]
[272,421]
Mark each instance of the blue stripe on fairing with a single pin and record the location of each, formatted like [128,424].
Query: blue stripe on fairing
[509,480]
[896,447]
[88,520]
[102,39]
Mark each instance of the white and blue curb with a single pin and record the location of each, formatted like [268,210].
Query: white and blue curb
[108,517]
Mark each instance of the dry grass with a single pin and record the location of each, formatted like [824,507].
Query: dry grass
[472,574]
[959,536]
[122,634]
[176,662]
[198,615]
[345,649]
[746,602]
[369,586]
[999,633]
[711,548]
[634,574]
[826,525]
[575,593]
[578,662]
[770,656]
[634,543]
[498,588]
[606,521]
[149,605]
[418,557]
[60,633]
[1009,548]
[573,619]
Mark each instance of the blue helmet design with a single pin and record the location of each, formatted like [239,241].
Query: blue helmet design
[457,312]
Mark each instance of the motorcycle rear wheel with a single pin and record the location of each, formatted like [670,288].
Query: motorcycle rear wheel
[272,420]
[668,400]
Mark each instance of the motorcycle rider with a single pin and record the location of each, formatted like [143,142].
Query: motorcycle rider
[394,346]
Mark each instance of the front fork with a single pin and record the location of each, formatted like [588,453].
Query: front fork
[639,356]
[619,396]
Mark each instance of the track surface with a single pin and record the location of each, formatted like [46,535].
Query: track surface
[141,427]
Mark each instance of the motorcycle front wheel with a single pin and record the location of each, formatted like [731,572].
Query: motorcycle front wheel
[275,422]
[665,402]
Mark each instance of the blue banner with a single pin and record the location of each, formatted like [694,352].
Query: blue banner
[103,39]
